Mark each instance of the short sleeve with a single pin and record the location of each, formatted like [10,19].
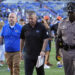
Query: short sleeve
[45,33]
[22,36]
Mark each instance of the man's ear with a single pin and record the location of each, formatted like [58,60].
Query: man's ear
[16,19]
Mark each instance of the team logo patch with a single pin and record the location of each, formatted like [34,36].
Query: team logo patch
[64,27]
[47,33]
[16,30]
[37,31]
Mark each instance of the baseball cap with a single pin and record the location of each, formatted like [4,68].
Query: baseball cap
[70,7]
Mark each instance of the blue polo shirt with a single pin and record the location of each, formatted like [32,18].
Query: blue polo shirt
[11,37]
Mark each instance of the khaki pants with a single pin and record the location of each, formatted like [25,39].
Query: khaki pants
[13,60]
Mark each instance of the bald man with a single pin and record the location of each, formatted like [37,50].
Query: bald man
[11,35]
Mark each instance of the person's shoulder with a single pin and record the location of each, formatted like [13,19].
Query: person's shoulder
[61,22]
[25,27]
[18,25]
[40,24]
[64,20]
[6,25]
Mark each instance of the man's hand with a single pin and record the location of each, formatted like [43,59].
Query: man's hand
[42,53]
[20,55]
[45,24]
[58,57]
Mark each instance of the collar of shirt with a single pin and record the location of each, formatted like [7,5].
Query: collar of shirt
[67,20]
[32,26]
[12,27]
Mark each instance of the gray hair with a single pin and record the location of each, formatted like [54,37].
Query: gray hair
[30,13]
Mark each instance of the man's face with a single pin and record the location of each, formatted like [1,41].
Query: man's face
[12,19]
[32,19]
[71,10]
[71,15]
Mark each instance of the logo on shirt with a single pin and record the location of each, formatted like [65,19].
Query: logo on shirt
[16,30]
[37,31]
[64,27]
[47,33]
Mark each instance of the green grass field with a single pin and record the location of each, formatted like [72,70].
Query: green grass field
[54,70]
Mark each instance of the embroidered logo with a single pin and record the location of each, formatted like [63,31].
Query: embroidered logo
[37,31]
[16,30]
[47,33]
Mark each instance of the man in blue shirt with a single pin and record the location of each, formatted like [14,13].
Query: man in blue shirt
[11,35]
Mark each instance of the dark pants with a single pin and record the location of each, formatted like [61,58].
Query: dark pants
[69,62]
[29,66]
[56,45]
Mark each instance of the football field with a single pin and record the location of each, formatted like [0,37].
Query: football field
[54,70]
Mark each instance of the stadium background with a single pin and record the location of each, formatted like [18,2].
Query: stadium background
[52,8]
